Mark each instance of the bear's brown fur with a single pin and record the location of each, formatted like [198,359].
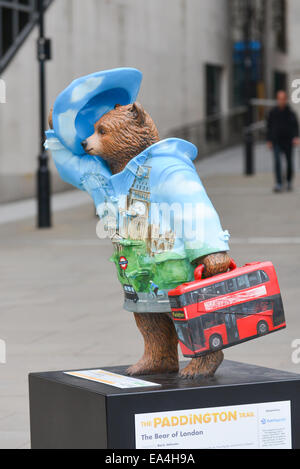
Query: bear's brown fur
[161,342]
[119,136]
[122,134]
[161,345]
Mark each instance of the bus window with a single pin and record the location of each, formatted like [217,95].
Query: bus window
[191,298]
[232,309]
[220,318]
[253,307]
[243,282]
[248,308]
[212,320]
[196,330]
[175,301]
[254,278]
[278,315]
[231,285]
[237,310]
[220,288]
[196,296]
[185,300]
[209,321]
[183,333]
[241,311]
[264,276]
[208,292]
[266,305]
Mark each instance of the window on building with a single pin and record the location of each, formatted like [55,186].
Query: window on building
[14,17]
[239,72]
[280,30]
[213,102]
[280,82]
[213,90]
[17,18]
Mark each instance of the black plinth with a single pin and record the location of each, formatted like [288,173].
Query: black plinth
[70,412]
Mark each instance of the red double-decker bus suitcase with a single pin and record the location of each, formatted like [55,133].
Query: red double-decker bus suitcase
[227,309]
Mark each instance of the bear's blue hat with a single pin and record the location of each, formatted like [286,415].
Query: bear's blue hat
[87,99]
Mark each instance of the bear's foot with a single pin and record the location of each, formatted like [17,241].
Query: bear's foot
[203,367]
[161,343]
[150,367]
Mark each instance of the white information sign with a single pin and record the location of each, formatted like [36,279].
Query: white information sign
[256,426]
[112,379]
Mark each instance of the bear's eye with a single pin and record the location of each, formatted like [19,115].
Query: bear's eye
[101,131]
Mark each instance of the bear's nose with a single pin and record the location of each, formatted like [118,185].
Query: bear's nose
[84,144]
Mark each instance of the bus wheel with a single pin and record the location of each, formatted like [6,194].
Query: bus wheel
[262,328]
[215,342]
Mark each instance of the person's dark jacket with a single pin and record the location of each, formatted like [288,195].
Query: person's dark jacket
[283,125]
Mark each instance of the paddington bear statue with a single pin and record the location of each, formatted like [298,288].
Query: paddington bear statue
[150,201]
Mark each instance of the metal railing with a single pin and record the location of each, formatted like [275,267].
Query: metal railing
[260,111]
[214,133]
[17,19]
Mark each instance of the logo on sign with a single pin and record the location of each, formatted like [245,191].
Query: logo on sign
[123,263]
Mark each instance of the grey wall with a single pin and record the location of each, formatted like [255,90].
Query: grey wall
[169,40]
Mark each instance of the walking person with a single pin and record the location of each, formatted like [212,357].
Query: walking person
[282,136]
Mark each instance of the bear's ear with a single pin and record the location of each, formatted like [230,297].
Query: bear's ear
[138,113]
[117,105]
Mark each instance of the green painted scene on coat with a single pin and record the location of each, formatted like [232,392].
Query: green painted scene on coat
[167,269]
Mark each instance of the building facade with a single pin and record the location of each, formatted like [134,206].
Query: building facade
[184,48]
[272,32]
[169,41]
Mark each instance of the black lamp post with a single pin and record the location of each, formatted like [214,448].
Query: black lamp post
[248,63]
[43,173]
